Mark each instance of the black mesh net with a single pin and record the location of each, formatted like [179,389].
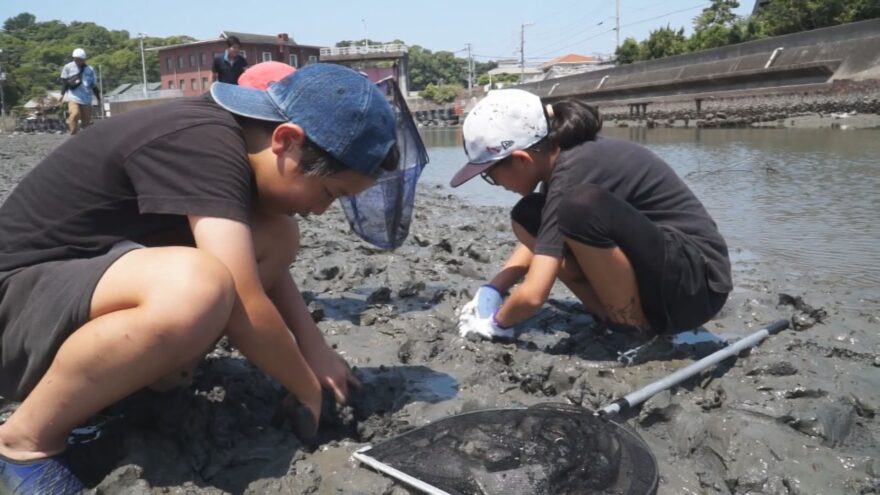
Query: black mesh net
[546,449]
[381,214]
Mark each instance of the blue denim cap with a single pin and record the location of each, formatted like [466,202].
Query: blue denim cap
[339,110]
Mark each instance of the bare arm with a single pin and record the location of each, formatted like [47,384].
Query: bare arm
[256,327]
[514,269]
[532,293]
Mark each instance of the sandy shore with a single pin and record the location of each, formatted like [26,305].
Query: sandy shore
[795,416]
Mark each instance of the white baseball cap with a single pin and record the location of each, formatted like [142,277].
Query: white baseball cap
[79,53]
[506,120]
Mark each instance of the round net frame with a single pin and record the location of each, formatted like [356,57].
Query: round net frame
[548,448]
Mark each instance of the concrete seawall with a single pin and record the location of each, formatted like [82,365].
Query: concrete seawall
[821,56]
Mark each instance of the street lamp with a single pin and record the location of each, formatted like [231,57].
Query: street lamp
[143,63]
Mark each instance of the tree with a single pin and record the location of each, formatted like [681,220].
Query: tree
[627,52]
[19,23]
[790,16]
[444,93]
[664,42]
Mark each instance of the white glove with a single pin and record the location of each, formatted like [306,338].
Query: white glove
[485,303]
[484,327]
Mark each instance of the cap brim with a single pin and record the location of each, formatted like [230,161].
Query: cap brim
[247,102]
[469,171]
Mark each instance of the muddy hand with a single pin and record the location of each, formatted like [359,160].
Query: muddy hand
[303,418]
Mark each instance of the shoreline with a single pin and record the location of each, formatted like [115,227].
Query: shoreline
[795,415]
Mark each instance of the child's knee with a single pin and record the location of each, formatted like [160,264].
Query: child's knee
[202,289]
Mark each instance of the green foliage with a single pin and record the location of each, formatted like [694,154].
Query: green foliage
[663,42]
[790,16]
[444,93]
[438,68]
[627,52]
[717,25]
[34,53]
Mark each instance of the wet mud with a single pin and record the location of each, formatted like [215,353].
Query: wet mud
[796,415]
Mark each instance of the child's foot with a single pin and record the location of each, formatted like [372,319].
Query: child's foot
[49,476]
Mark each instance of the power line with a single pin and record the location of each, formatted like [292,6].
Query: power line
[579,41]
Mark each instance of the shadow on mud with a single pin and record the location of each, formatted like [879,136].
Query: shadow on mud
[228,428]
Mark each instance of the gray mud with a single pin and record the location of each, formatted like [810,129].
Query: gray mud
[797,415]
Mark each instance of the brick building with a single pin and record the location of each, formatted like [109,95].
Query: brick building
[187,66]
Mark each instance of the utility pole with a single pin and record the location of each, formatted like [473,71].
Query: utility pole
[470,71]
[617,27]
[143,64]
[2,96]
[522,50]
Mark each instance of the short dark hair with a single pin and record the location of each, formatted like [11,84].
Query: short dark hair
[232,40]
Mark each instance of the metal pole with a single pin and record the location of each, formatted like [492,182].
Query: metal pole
[617,28]
[648,391]
[470,71]
[2,95]
[522,50]
[101,90]
[143,64]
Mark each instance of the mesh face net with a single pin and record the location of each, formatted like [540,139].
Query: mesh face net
[555,448]
[381,214]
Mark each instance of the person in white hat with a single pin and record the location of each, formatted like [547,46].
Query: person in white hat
[78,85]
[612,221]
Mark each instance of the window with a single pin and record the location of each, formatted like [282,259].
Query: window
[313,59]
[203,59]
[193,85]
[192,60]
[267,56]
[170,83]
[218,55]
[179,62]
[182,85]
[169,63]
[293,60]
[204,83]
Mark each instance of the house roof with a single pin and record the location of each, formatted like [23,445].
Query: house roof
[571,58]
[263,39]
[129,88]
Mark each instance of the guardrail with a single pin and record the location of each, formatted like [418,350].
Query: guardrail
[363,50]
[149,95]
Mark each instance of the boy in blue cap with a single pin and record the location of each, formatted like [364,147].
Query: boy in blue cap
[134,246]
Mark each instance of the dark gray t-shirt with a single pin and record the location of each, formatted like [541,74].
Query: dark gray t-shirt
[646,182]
[132,177]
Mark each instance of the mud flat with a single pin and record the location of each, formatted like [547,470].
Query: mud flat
[797,415]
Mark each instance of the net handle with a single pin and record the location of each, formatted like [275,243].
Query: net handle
[645,393]
[380,466]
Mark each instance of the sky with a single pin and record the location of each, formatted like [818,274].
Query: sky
[558,27]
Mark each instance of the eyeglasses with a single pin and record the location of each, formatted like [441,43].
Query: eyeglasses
[485,173]
[488,178]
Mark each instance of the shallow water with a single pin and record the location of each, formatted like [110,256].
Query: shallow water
[806,199]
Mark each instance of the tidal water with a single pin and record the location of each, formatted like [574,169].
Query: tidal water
[805,201]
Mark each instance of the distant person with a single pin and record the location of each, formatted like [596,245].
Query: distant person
[132,248]
[78,85]
[612,221]
[227,68]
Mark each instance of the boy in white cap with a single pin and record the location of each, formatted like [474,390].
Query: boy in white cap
[133,247]
[612,221]
[78,84]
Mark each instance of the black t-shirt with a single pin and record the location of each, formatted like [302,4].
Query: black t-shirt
[646,182]
[133,177]
[229,72]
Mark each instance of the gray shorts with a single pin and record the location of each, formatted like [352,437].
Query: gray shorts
[40,306]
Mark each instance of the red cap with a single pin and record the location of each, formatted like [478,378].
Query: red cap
[261,75]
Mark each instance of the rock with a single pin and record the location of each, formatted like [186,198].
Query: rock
[411,288]
[779,368]
[316,310]
[382,295]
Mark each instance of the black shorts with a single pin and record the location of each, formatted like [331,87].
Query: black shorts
[40,306]
[670,269]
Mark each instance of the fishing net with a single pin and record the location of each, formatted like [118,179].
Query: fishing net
[550,448]
[381,214]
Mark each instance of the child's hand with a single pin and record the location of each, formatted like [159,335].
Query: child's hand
[486,301]
[331,370]
[304,417]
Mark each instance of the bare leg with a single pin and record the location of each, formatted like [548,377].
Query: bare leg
[153,311]
[611,274]
[571,274]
